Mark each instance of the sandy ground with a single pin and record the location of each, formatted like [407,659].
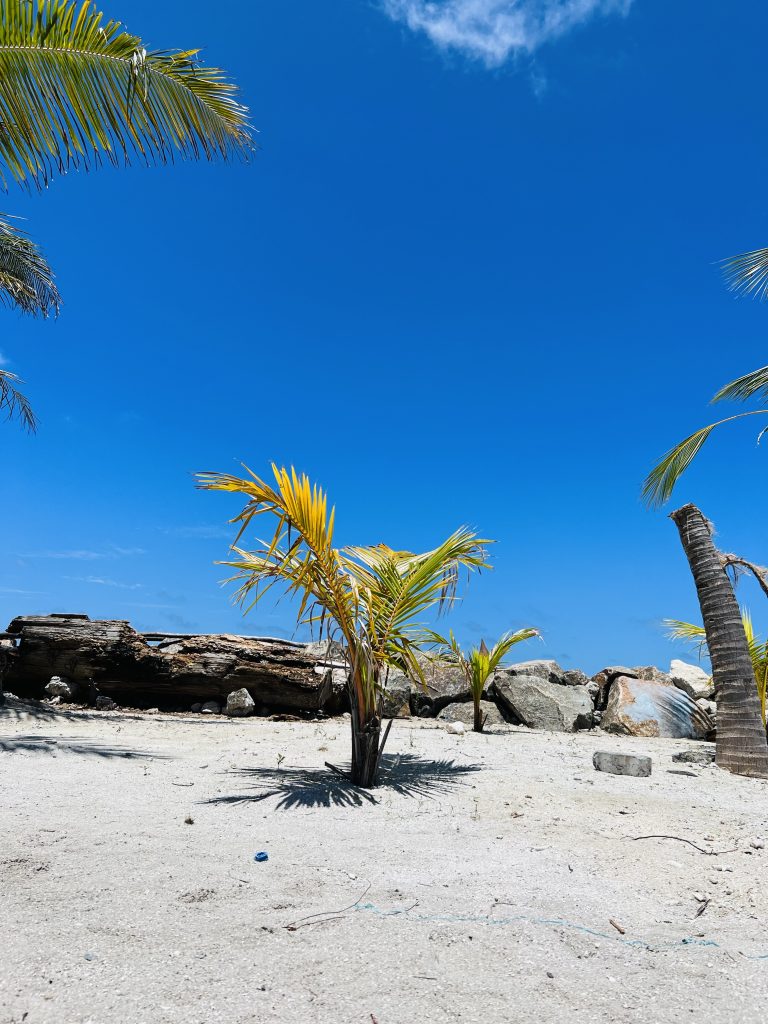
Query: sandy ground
[479,884]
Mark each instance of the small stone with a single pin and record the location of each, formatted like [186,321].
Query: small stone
[196,708]
[61,687]
[240,704]
[90,956]
[622,764]
[550,974]
[702,755]
[699,897]
[211,707]
[757,844]
[455,728]
[152,711]
[105,704]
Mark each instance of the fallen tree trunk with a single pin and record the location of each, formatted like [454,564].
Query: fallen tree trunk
[278,674]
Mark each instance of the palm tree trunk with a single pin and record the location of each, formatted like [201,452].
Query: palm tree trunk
[478,725]
[741,741]
[365,751]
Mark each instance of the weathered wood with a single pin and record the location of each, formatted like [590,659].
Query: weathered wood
[277,673]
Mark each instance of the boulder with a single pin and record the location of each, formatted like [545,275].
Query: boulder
[637,707]
[692,678]
[465,713]
[541,704]
[540,667]
[240,704]
[575,677]
[397,698]
[105,704]
[443,684]
[59,686]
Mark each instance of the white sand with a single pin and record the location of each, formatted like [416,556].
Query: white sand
[472,886]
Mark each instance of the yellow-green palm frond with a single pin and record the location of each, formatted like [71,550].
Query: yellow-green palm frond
[747,274]
[751,384]
[26,279]
[13,403]
[480,663]
[76,88]
[660,482]
[300,554]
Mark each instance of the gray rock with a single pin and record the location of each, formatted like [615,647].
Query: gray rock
[465,713]
[702,755]
[635,765]
[651,674]
[708,706]
[397,698]
[575,677]
[106,704]
[61,687]
[541,667]
[240,704]
[211,708]
[443,684]
[541,704]
[640,708]
[692,679]
[196,707]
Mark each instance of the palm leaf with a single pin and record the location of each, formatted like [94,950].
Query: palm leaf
[660,482]
[76,89]
[26,279]
[747,274]
[13,403]
[751,384]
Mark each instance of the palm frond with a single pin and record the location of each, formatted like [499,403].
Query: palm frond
[26,279]
[751,384]
[14,403]
[76,88]
[660,482]
[747,274]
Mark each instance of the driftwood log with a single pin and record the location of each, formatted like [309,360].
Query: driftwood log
[277,673]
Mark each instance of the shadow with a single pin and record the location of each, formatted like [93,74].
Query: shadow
[76,745]
[19,708]
[406,774]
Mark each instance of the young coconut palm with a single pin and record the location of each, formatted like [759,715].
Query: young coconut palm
[479,665]
[368,598]
[758,649]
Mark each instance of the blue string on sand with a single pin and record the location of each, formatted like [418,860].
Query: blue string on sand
[652,947]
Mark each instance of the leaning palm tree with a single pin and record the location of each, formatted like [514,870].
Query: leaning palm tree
[369,598]
[77,90]
[741,740]
[479,664]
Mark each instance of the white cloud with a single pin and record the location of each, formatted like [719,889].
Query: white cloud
[4,361]
[102,581]
[494,30]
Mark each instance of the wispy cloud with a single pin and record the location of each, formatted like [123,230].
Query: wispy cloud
[4,361]
[495,30]
[86,555]
[101,581]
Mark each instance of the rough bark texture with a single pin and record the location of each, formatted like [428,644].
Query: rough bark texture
[365,752]
[741,742]
[276,673]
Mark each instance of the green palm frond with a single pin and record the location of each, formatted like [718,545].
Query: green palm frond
[13,403]
[660,482]
[26,279]
[747,274]
[751,384]
[480,663]
[758,649]
[76,88]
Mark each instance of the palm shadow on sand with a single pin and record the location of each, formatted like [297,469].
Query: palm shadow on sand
[406,774]
[38,744]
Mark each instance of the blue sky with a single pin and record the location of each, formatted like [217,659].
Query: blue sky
[469,278]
